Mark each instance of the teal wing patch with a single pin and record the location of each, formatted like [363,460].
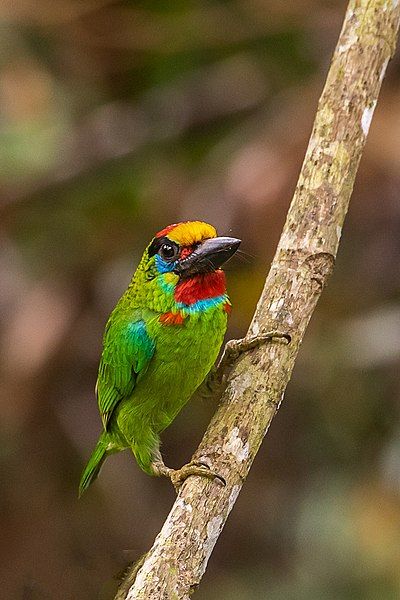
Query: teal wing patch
[127,352]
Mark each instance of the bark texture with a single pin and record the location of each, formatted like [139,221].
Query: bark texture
[304,259]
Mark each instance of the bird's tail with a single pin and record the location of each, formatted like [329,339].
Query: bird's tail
[94,464]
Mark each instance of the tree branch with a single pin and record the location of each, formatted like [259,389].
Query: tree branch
[303,262]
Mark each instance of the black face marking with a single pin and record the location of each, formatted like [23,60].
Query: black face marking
[168,250]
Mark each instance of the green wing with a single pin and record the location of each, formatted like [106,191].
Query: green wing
[127,352]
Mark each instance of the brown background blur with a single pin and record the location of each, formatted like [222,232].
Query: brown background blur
[116,119]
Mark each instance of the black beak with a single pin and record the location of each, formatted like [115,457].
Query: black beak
[209,256]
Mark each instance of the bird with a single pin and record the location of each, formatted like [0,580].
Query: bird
[160,343]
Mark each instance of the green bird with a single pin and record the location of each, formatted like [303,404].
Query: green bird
[160,342]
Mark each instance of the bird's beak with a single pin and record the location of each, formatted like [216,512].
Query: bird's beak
[208,256]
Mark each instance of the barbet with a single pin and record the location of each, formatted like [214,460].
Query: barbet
[160,343]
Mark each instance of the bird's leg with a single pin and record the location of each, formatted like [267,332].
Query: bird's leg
[159,469]
[234,348]
[178,476]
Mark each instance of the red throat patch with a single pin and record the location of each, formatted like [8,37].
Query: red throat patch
[200,287]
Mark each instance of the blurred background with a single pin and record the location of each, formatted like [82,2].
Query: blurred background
[116,119]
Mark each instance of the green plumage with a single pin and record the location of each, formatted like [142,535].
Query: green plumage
[151,365]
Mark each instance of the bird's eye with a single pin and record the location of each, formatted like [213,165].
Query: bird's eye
[169,251]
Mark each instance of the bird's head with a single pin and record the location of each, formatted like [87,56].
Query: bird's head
[184,261]
[189,249]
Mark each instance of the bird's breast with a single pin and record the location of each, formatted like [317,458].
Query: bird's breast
[184,355]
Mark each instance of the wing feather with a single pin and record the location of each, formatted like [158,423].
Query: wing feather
[127,352]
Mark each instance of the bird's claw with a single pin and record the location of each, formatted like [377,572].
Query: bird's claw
[178,476]
[234,348]
[194,468]
[237,347]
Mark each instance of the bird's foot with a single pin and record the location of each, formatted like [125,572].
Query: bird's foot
[234,348]
[178,476]
[194,468]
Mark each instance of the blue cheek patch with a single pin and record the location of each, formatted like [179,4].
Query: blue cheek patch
[163,266]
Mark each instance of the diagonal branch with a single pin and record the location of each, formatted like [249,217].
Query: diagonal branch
[303,262]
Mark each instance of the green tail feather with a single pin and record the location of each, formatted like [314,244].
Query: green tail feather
[93,466]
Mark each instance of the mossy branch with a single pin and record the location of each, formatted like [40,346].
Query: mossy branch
[303,262]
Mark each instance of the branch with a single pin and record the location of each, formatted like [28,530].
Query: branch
[303,262]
